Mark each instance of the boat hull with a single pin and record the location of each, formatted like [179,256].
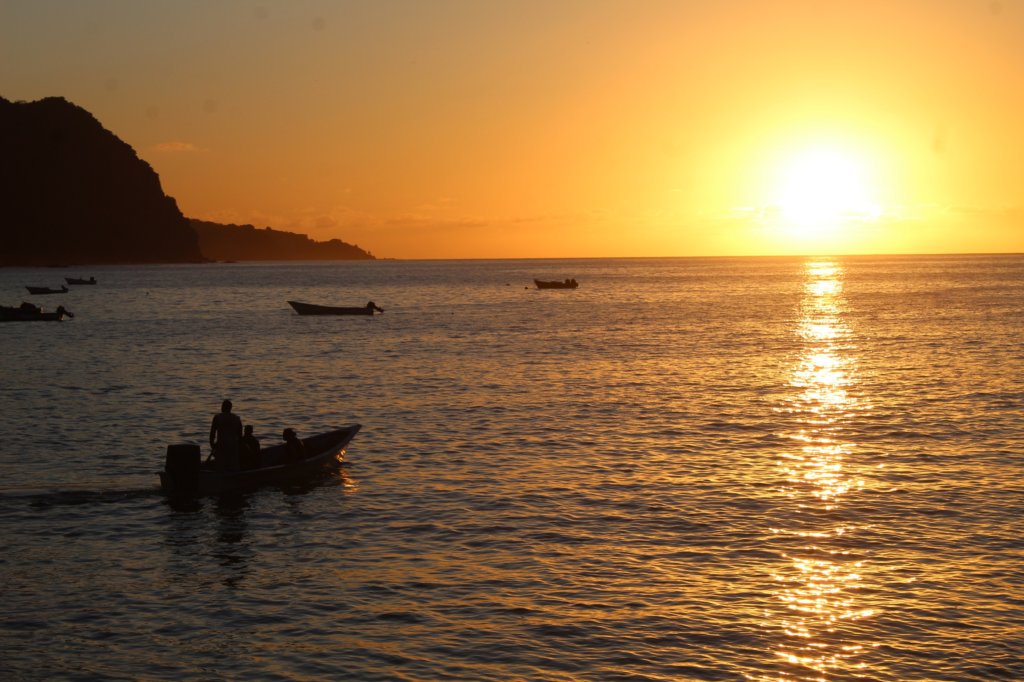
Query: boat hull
[38,291]
[8,314]
[327,452]
[313,309]
[38,317]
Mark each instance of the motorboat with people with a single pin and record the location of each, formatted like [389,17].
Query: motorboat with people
[185,473]
[313,309]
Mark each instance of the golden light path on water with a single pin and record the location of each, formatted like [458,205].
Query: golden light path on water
[817,586]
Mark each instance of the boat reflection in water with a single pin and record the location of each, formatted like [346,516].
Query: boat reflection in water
[818,624]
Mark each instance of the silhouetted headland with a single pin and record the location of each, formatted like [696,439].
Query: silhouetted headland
[73,193]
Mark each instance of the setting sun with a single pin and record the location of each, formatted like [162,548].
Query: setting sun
[822,187]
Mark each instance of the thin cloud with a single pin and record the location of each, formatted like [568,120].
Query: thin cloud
[176,148]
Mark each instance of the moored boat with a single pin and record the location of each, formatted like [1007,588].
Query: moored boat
[28,312]
[314,309]
[79,280]
[47,290]
[186,475]
[566,284]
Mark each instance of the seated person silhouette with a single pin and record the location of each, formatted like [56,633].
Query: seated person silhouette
[295,449]
[250,450]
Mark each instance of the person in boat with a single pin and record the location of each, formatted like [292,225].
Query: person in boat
[225,437]
[371,306]
[249,453]
[294,449]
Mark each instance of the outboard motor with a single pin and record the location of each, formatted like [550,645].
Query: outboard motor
[182,468]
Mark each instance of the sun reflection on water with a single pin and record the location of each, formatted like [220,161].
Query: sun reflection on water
[818,586]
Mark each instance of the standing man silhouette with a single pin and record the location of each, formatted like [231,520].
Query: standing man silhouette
[225,434]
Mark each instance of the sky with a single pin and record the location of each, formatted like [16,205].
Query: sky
[559,128]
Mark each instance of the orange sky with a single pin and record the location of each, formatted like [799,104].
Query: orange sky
[540,128]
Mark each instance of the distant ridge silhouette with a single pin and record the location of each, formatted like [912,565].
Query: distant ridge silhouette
[72,192]
[245,242]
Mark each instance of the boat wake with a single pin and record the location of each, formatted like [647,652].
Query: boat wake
[47,499]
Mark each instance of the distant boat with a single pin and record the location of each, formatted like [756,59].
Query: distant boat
[186,475]
[313,309]
[566,284]
[47,290]
[76,280]
[28,312]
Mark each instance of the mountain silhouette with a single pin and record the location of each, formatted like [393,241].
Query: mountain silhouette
[72,192]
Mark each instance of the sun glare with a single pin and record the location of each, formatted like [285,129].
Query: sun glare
[822,187]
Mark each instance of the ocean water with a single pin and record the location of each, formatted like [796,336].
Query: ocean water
[687,469]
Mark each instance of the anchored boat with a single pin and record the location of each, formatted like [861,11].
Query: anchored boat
[27,312]
[47,290]
[566,284]
[313,309]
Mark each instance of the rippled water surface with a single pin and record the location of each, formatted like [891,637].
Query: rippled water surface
[722,469]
